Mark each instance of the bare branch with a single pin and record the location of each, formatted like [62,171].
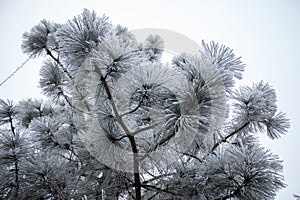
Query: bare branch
[162,141]
[135,109]
[58,62]
[120,138]
[144,129]
[229,136]
[193,156]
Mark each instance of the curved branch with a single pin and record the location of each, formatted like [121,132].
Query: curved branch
[193,156]
[120,138]
[135,109]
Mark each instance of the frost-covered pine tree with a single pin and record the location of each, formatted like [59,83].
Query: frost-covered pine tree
[118,123]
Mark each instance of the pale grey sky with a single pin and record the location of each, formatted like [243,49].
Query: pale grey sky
[265,33]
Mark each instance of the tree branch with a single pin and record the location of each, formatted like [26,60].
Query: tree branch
[82,98]
[193,156]
[160,189]
[16,163]
[65,97]
[135,109]
[58,62]
[238,189]
[12,125]
[144,129]
[136,165]
[157,177]
[229,196]
[229,136]
[127,188]
[120,138]
[162,141]
[153,196]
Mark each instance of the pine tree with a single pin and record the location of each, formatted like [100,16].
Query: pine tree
[121,124]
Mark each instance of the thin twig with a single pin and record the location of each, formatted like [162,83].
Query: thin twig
[135,109]
[144,128]
[58,62]
[162,141]
[160,189]
[229,136]
[120,138]
[158,177]
[12,74]
[193,156]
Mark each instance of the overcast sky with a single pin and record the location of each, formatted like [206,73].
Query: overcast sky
[266,33]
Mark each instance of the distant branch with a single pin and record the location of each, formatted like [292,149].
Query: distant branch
[12,74]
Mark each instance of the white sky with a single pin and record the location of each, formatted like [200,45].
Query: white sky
[265,33]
